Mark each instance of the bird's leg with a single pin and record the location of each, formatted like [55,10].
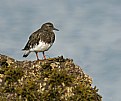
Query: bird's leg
[44,55]
[37,55]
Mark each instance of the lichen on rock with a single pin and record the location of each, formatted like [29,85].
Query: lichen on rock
[53,79]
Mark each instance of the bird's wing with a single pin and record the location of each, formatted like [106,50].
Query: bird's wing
[33,40]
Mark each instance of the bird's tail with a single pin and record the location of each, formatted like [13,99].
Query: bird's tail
[26,53]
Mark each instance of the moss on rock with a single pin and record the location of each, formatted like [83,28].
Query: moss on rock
[54,79]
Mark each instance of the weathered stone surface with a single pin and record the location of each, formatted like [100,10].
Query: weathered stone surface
[54,79]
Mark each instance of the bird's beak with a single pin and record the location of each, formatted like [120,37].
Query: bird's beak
[55,29]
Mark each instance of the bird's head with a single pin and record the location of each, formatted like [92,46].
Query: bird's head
[48,27]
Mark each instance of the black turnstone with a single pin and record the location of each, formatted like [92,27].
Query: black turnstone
[41,40]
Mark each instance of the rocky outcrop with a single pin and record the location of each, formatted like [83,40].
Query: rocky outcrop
[53,79]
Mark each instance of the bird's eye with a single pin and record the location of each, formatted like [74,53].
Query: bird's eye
[50,25]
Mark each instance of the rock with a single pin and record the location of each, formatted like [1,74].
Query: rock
[53,79]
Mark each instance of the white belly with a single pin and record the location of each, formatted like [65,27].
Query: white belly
[41,47]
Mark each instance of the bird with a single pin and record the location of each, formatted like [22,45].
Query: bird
[40,40]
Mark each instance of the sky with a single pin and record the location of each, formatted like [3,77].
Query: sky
[89,33]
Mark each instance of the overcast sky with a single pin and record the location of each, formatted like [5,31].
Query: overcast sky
[90,34]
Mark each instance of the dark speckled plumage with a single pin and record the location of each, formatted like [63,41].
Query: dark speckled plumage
[44,34]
